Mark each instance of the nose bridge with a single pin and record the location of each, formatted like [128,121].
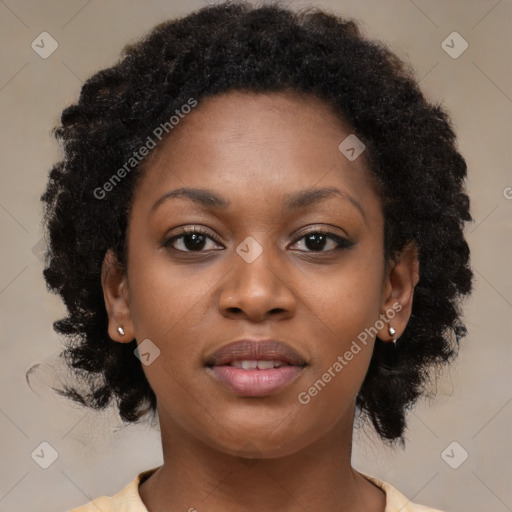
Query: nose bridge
[256,284]
[257,263]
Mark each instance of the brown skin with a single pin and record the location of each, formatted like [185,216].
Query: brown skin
[222,451]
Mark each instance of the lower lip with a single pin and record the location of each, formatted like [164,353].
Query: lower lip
[256,382]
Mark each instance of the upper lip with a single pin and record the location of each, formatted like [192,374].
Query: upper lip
[259,350]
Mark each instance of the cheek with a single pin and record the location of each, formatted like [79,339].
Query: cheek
[337,372]
[167,300]
[165,305]
[340,371]
[345,312]
[169,306]
[347,299]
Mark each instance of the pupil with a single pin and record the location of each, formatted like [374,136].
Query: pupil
[197,241]
[315,245]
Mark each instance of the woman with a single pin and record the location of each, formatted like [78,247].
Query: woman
[257,228]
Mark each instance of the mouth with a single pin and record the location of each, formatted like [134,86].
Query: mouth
[255,368]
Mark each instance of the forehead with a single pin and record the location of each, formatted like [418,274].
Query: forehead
[255,145]
[237,116]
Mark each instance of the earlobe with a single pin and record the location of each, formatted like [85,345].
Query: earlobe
[116,296]
[402,277]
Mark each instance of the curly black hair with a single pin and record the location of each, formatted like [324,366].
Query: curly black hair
[410,149]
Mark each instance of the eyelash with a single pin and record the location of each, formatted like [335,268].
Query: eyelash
[342,243]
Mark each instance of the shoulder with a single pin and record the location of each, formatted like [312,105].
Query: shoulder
[127,499]
[395,500]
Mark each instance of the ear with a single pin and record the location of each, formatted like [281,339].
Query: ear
[402,275]
[115,293]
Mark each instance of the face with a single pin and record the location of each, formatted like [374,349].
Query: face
[309,273]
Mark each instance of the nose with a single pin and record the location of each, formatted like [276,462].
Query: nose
[256,291]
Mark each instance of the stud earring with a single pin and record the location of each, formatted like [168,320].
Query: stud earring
[120,330]
[392,332]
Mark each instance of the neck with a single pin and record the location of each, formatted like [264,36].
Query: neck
[197,477]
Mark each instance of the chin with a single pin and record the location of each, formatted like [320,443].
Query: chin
[262,443]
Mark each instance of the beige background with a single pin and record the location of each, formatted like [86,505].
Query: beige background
[96,455]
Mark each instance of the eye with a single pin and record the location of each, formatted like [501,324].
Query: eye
[193,239]
[318,239]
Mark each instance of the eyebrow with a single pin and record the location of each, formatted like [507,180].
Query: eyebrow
[292,201]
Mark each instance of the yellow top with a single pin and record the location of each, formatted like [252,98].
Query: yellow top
[128,499]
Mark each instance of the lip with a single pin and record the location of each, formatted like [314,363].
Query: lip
[250,349]
[255,382]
